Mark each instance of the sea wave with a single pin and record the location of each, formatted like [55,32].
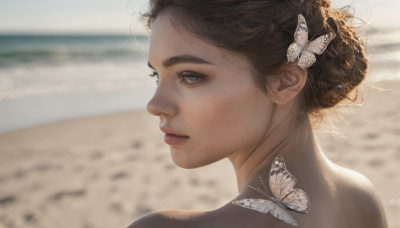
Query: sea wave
[15,50]
[12,58]
[48,80]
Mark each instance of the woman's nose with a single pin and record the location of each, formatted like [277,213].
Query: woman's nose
[162,103]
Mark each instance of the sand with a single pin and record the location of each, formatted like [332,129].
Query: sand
[106,171]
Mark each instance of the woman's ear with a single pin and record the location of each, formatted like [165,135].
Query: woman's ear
[288,84]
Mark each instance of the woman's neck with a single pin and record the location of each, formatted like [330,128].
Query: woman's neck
[294,141]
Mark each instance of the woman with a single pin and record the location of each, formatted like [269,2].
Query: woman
[239,80]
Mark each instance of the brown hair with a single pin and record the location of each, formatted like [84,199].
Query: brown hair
[263,30]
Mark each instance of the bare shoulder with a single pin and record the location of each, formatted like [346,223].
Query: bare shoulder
[165,219]
[357,190]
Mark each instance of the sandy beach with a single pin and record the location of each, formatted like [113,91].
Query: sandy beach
[93,172]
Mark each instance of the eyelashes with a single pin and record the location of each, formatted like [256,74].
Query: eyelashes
[155,75]
[191,77]
[186,77]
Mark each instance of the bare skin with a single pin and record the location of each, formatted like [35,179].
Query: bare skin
[197,108]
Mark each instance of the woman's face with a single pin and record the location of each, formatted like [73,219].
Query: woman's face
[208,103]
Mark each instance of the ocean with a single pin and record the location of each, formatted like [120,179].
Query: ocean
[49,78]
[53,78]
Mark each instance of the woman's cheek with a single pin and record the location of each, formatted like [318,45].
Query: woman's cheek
[217,122]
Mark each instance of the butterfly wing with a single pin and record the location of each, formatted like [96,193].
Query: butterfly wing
[319,45]
[306,59]
[261,205]
[265,206]
[283,214]
[297,200]
[294,52]
[301,33]
[282,182]
[316,46]
[300,39]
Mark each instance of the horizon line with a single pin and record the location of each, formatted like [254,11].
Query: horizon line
[70,34]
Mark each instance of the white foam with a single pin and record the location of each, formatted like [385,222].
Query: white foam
[45,80]
[37,94]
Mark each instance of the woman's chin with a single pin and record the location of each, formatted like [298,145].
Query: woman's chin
[186,161]
[185,164]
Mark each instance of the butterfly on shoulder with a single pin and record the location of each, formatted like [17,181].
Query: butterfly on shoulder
[304,50]
[284,196]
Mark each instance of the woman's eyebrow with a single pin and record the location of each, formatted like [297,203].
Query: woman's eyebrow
[181,59]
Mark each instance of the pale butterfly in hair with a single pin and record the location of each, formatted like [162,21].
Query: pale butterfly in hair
[284,196]
[302,49]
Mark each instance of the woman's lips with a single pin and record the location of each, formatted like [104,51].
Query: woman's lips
[172,137]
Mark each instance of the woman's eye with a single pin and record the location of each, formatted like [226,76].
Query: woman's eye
[154,74]
[190,77]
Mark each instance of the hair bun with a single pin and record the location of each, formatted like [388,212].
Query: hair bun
[341,67]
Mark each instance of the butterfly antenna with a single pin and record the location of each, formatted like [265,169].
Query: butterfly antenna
[258,190]
[265,187]
[264,193]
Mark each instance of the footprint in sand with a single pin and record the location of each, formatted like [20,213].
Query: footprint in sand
[63,194]
[136,145]
[43,167]
[119,175]
[376,162]
[46,167]
[176,183]
[146,179]
[371,136]
[169,167]
[211,183]
[96,155]
[116,207]
[30,218]
[8,223]
[207,199]
[194,182]
[19,173]
[7,200]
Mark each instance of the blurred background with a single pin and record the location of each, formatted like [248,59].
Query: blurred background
[76,144]
[63,60]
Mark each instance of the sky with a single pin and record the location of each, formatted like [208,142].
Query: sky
[70,16]
[121,16]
